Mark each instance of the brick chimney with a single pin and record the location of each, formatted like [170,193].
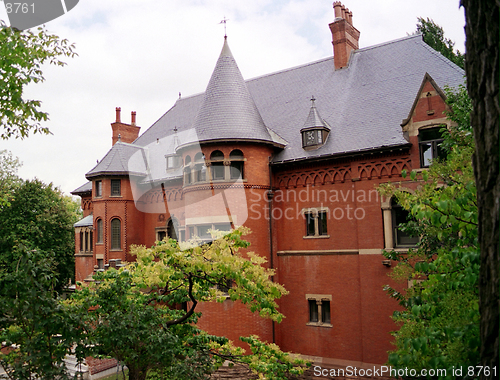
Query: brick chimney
[345,36]
[126,133]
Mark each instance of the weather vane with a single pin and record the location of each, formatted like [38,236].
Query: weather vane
[224,21]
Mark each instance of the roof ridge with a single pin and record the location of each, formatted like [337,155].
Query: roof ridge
[408,37]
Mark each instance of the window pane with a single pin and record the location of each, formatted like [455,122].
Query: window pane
[187,176]
[217,170]
[81,241]
[236,170]
[310,228]
[161,235]
[322,223]
[400,215]
[115,187]
[116,234]
[98,188]
[222,227]
[201,173]
[203,232]
[313,311]
[91,242]
[425,154]
[99,231]
[430,134]
[325,311]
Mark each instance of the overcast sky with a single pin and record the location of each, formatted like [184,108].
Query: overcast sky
[138,55]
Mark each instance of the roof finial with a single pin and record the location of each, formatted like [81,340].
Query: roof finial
[224,21]
[313,99]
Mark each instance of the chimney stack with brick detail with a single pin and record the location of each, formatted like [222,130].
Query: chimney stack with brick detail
[345,36]
[122,132]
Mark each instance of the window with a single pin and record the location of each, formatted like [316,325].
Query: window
[202,231]
[86,240]
[312,137]
[173,161]
[116,187]
[200,170]
[100,231]
[430,145]
[400,215]
[236,169]
[160,235]
[217,165]
[187,170]
[319,309]
[98,188]
[116,234]
[316,222]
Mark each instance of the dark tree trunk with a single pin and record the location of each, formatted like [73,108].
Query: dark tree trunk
[137,373]
[483,76]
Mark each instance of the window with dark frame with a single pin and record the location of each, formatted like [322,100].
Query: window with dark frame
[316,223]
[116,234]
[98,188]
[237,164]
[100,230]
[430,145]
[399,216]
[116,187]
[319,310]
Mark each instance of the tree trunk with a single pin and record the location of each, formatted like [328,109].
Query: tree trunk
[137,373]
[483,76]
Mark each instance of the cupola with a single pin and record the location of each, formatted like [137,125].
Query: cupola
[315,130]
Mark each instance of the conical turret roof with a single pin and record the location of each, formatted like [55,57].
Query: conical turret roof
[228,110]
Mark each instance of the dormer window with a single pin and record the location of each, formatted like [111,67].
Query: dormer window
[173,161]
[315,130]
[312,137]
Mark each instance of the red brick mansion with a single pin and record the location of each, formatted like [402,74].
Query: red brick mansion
[296,156]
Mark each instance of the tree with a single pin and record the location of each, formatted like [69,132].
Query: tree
[8,175]
[22,55]
[145,314]
[483,70]
[440,317]
[433,36]
[36,330]
[38,217]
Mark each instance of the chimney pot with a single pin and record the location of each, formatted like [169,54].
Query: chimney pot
[345,36]
[133,118]
[337,9]
[118,110]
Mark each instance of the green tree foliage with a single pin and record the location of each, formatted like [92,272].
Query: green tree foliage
[440,317]
[22,55]
[36,330]
[38,217]
[433,35]
[145,313]
[8,175]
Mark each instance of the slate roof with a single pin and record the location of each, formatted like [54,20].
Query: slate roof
[86,188]
[363,104]
[116,162]
[228,110]
[85,222]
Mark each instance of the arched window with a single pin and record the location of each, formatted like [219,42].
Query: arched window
[236,170]
[217,165]
[200,170]
[100,230]
[400,215]
[116,234]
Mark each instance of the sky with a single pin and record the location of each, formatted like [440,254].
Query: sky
[139,55]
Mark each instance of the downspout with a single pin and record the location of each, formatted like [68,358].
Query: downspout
[270,195]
